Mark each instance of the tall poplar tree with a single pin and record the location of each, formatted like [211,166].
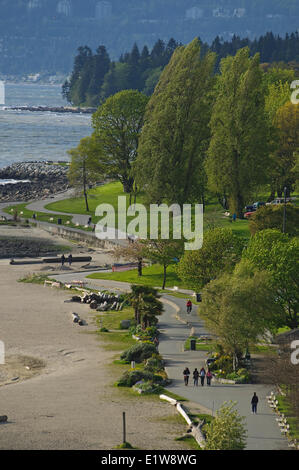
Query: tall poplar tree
[238,154]
[175,136]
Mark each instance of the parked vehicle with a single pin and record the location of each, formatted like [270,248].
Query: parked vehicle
[280,200]
[248,214]
[258,204]
[250,208]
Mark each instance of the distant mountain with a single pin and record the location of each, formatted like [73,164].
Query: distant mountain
[43,35]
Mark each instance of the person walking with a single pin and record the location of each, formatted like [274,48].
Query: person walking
[189,306]
[195,377]
[70,259]
[209,376]
[62,259]
[186,374]
[254,402]
[202,376]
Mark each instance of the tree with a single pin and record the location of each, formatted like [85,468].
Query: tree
[240,307]
[271,217]
[220,252]
[277,253]
[100,67]
[227,430]
[175,135]
[146,303]
[117,125]
[163,252]
[237,156]
[286,122]
[85,167]
[132,252]
[75,89]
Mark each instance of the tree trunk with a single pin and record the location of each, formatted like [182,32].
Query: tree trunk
[128,185]
[139,266]
[164,276]
[84,186]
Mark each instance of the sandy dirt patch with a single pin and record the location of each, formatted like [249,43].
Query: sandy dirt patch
[70,402]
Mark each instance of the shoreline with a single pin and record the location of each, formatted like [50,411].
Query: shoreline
[26,181]
[58,378]
[52,109]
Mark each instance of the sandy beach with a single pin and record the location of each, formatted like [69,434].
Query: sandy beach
[56,386]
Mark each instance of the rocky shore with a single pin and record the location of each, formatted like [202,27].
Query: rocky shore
[44,179]
[55,109]
[17,247]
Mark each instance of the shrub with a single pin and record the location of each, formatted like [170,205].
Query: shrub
[224,363]
[131,377]
[241,376]
[139,352]
[148,387]
[154,363]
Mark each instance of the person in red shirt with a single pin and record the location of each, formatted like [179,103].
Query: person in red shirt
[189,306]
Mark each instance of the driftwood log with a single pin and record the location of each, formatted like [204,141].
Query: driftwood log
[194,429]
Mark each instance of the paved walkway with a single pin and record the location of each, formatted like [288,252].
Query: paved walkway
[175,326]
[263,431]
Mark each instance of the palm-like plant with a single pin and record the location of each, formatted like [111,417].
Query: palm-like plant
[146,304]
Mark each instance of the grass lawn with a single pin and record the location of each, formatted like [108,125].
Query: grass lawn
[106,194]
[152,276]
[112,320]
[25,213]
[285,408]
[110,192]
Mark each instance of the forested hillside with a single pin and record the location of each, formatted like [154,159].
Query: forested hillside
[44,35]
[95,76]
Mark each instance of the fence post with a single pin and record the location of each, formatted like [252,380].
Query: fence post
[124,427]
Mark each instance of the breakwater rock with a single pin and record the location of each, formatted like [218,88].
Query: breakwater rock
[18,247]
[42,180]
[55,109]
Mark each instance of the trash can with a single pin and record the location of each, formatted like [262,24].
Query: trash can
[192,344]
[59,221]
[198,297]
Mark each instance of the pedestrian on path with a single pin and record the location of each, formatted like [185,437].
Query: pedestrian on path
[254,402]
[202,376]
[189,306]
[62,259]
[195,377]
[209,377]
[70,259]
[186,374]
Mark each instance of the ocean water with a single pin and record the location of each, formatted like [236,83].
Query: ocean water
[38,136]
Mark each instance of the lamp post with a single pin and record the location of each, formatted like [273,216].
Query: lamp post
[284,210]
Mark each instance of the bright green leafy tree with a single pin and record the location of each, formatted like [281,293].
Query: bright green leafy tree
[237,156]
[277,253]
[227,430]
[220,251]
[240,307]
[85,168]
[176,134]
[117,125]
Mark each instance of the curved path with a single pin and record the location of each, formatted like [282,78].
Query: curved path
[175,326]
